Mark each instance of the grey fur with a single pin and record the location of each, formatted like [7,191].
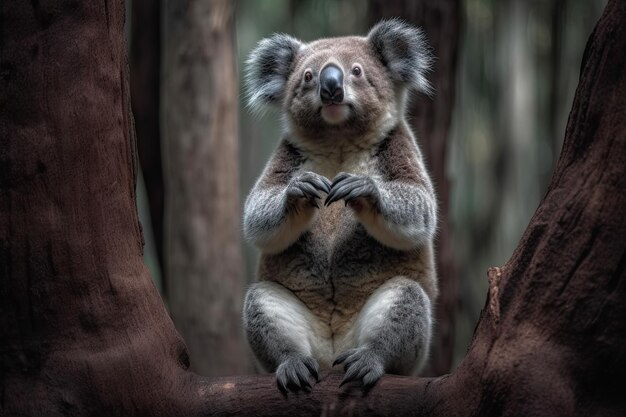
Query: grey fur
[410,208]
[404,51]
[277,351]
[267,342]
[268,68]
[400,345]
[353,284]
[266,209]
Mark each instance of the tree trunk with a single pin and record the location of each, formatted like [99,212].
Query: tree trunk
[558,26]
[82,328]
[430,119]
[145,73]
[203,250]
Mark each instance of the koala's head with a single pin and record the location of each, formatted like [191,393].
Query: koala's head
[340,87]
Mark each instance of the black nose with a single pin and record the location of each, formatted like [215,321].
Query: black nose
[331,84]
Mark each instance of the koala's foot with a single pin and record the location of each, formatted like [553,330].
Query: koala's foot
[361,363]
[307,186]
[354,190]
[294,373]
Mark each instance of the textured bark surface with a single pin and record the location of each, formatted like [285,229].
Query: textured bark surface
[82,328]
[145,73]
[204,263]
[430,119]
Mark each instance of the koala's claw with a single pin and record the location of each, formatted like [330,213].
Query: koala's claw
[349,187]
[361,363]
[293,374]
[308,185]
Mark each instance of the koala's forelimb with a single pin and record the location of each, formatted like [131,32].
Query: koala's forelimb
[398,214]
[275,216]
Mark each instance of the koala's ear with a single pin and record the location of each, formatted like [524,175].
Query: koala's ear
[268,68]
[404,51]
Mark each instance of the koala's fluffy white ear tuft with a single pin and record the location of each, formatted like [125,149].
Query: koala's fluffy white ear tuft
[404,51]
[268,68]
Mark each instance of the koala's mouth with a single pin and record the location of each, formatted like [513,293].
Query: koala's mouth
[335,113]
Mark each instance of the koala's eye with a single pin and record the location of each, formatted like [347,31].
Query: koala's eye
[308,76]
[356,71]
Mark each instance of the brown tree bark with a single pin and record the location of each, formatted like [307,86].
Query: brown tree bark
[82,328]
[204,263]
[430,119]
[145,83]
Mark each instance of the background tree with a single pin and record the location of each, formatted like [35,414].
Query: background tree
[507,129]
[145,73]
[431,120]
[82,328]
[203,247]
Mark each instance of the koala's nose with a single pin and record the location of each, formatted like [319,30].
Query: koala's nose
[331,84]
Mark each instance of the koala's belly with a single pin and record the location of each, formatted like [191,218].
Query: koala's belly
[335,266]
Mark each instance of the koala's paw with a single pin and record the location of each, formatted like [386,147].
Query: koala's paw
[307,186]
[354,190]
[293,374]
[361,363]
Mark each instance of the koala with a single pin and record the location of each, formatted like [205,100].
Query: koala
[348,284]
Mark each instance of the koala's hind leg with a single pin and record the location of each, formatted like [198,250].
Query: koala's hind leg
[392,333]
[283,333]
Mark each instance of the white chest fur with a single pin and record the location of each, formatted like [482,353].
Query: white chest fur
[344,158]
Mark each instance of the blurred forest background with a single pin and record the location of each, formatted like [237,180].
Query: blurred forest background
[505,79]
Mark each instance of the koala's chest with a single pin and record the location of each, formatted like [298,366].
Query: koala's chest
[343,158]
[337,237]
[337,247]
[334,266]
